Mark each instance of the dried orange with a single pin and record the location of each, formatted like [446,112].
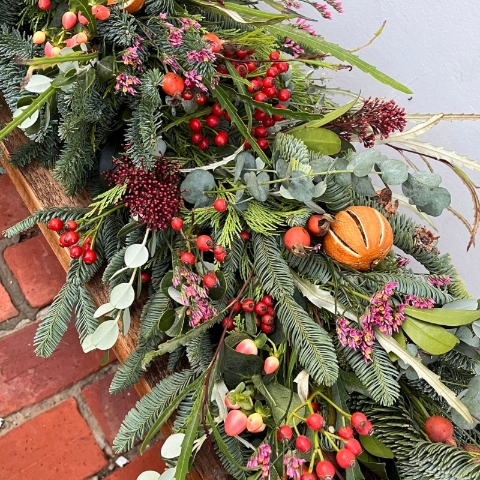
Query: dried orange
[360,237]
[131,6]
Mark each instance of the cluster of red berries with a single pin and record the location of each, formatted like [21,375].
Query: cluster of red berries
[212,121]
[345,456]
[263,309]
[70,240]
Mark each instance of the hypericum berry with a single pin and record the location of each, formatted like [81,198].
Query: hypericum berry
[439,429]
[282,67]
[354,446]
[176,223]
[345,458]
[270,92]
[76,251]
[260,97]
[44,4]
[260,131]
[89,257]
[217,110]
[187,94]
[81,38]
[263,143]
[235,423]
[248,305]
[229,404]
[252,66]
[308,476]
[210,280]
[268,82]
[302,443]
[271,365]
[272,72]
[71,225]
[314,406]
[187,258]
[203,144]
[283,95]
[325,470]
[267,329]
[195,124]
[204,243]
[83,20]
[268,300]
[268,122]
[241,54]
[274,55]
[39,38]
[259,115]
[367,428]
[284,433]
[228,323]
[200,98]
[358,420]
[220,205]
[242,70]
[100,12]
[221,138]
[234,305]
[268,320]
[69,20]
[260,308]
[197,137]
[255,423]
[315,421]
[245,236]
[247,347]
[345,432]
[212,121]
[222,69]
[55,224]
[220,257]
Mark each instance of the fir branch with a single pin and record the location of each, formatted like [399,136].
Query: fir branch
[106,200]
[152,312]
[120,29]
[84,310]
[155,7]
[183,413]
[116,263]
[108,235]
[234,448]
[200,353]
[175,358]
[314,267]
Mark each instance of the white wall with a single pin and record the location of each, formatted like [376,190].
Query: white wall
[433,47]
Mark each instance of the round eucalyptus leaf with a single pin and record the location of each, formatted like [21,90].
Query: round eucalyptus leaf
[363,186]
[38,84]
[149,475]
[440,199]
[168,474]
[103,309]
[473,406]
[106,335]
[344,179]
[174,294]
[87,345]
[427,179]
[122,296]
[363,162]
[172,446]
[465,304]
[300,187]
[394,172]
[136,255]
[195,183]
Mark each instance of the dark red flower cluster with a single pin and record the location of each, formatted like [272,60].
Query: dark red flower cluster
[152,196]
[375,117]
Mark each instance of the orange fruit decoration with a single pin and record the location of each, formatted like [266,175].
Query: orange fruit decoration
[131,6]
[360,237]
[173,84]
[215,42]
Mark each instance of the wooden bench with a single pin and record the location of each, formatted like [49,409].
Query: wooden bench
[38,189]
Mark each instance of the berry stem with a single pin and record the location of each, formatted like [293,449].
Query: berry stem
[333,404]
[328,437]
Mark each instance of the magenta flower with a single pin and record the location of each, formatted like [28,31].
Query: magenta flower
[439,280]
[294,47]
[204,55]
[130,56]
[175,37]
[125,83]
[262,458]
[193,79]
[294,465]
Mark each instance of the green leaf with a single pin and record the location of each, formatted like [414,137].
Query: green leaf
[300,187]
[440,199]
[394,172]
[443,316]
[136,255]
[363,186]
[106,335]
[473,406]
[218,293]
[372,463]
[318,44]
[122,296]
[431,338]
[374,446]
[362,163]
[196,182]
[257,191]
[38,84]
[243,162]
[427,179]
[86,9]
[319,140]
[167,320]
[166,283]
[464,304]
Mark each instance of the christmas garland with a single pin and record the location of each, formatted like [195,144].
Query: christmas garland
[233,196]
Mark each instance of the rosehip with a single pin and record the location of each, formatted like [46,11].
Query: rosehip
[358,420]
[220,205]
[71,225]
[325,470]
[222,69]
[197,137]
[284,433]
[70,238]
[254,422]
[272,72]
[195,124]
[276,117]
[89,257]
[55,224]
[308,476]
[367,429]
[345,458]
[354,446]
[100,12]
[282,67]
[248,305]
[245,236]
[284,95]
[274,55]
[255,85]
[302,443]
[267,329]
[345,432]
[315,406]
[76,251]
[228,323]
[252,66]
[204,243]
[247,347]
[187,258]
[212,121]
[260,308]
[234,305]
[235,423]
[39,38]
[200,98]
[268,320]
[242,70]
[315,421]
[210,280]
[83,20]
[220,257]
[176,223]
[271,311]
[214,41]
[230,405]
[439,429]
[44,4]
[271,365]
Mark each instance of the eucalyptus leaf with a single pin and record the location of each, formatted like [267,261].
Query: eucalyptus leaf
[394,172]
[257,191]
[136,255]
[103,309]
[427,179]
[464,304]
[321,164]
[87,345]
[175,295]
[122,296]
[363,186]
[362,163]
[300,187]
[285,193]
[243,162]
[195,183]
[172,446]
[38,84]
[473,406]
[282,168]
[150,475]
[106,335]
[240,204]
[440,199]
[319,140]
[344,179]
[126,319]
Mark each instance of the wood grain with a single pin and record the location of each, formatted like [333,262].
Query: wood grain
[38,189]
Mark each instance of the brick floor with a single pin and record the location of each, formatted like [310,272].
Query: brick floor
[26,379]
[36,269]
[12,209]
[55,445]
[109,410]
[7,309]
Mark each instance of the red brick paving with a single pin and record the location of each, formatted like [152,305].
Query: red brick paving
[150,460]
[12,209]
[7,309]
[109,410]
[55,445]
[36,269]
[26,379]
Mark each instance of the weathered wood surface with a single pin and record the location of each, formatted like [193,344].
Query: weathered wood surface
[38,189]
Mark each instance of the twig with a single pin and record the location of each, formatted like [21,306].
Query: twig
[375,35]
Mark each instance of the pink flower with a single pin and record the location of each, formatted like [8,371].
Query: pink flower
[296,49]
[417,302]
[204,55]
[188,23]
[193,79]
[262,458]
[294,465]
[130,56]
[323,10]
[439,280]
[125,83]
[302,24]
[175,37]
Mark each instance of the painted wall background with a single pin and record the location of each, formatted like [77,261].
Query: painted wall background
[433,47]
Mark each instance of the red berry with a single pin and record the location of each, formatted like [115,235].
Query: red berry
[222,69]
[278,118]
[268,300]
[308,476]
[69,19]
[245,236]
[271,311]
[315,421]
[260,97]
[195,124]
[345,432]
[345,458]
[176,223]
[272,72]
[221,138]
[203,144]
[187,258]
[235,423]
[145,277]
[263,143]
[100,12]
[284,433]
[358,420]
[197,137]
[315,406]
[226,116]
[234,307]
[274,55]
[268,122]
[220,257]
[259,115]
[252,66]
[217,249]
[210,280]
[228,323]
[200,98]
[247,347]
[325,470]
[303,443]
[248,305]
[367,429]
[69,238]
[267,329]
[255,85]
[268,82]
[282,67]
[76,251]
[439,429]
[260,308]
[204,243]
[217,110]
[89,257]
[242,70]
[220,205]
[260,131]
[268,320]
[241,54]
[270,92]
[44,4]
[71,225]
[283,95]
[187,94]
[354,446]
[55,224]
[212,121]
[247,145]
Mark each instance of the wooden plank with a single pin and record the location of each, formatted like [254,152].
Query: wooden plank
[38,189]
